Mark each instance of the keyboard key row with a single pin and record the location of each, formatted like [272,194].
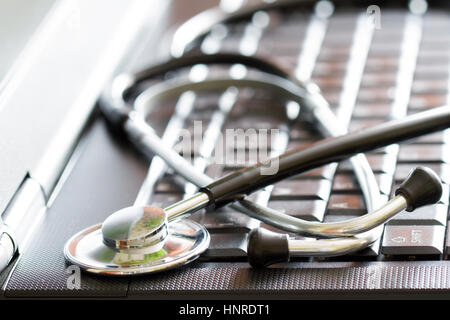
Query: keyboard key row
[310,189]
[435,214]
[424,153]
[441,169]
[347,183]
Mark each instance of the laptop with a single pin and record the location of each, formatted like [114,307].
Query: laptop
[64,168]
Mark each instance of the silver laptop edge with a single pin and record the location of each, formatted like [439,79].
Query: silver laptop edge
[49,95]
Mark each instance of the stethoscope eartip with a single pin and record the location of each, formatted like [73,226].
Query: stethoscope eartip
[421,187]
[266,247]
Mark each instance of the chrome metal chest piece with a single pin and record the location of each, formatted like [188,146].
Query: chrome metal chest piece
[148,251]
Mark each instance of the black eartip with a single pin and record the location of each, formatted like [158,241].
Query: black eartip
[420,188]
[266,248]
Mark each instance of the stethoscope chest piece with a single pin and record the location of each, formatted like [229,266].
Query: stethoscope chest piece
[128,248]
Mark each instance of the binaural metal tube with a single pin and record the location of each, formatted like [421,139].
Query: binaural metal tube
[345,228]
[189,205]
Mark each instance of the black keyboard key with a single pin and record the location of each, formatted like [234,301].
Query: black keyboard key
[424,153]
[253,122]
[383,62]
[238,160]
[326,68]
[360,124]
[333,97]
[429,86]
[442,170]
[312,189]
[439,137]
[226,246]
[324,172]
[380,163]
[447,241]
[378,110]
[304,131]
[347,183]
[379,79]
[413,240]
[435,214]
[215,171]
[312,210]
[423,101]
[227,219]
[328,82]
[346,204]
[168,185]
[162,200]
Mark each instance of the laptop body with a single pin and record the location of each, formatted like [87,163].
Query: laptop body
[89,172]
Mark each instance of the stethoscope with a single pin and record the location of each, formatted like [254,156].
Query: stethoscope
[142,239]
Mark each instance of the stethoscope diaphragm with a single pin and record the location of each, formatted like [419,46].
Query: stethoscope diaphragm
[185,241]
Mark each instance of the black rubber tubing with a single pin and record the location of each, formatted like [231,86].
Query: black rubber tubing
[296,161]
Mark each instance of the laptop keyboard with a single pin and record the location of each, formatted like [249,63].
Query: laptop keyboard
[368,75]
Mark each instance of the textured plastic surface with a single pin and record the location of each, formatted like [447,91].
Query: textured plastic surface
[106,178]
[294,279]
[42,269]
